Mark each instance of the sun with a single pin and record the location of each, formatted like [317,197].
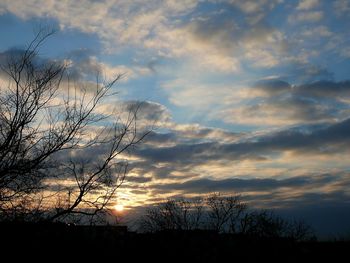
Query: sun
[119,208]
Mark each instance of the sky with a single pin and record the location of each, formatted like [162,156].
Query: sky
[250,97]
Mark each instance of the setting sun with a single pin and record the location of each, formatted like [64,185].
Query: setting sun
[119,208]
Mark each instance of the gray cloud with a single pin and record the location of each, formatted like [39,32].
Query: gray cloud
[15,55]
[202,186]
[149,167]
[177,155]
[276,102]
[83,65]
[317,90]
[273,87]
[328,139]
[137,179]
[182,153]
[196,132]
[223,30]
[325,89]
[323,139]
[161,138]
[147,110]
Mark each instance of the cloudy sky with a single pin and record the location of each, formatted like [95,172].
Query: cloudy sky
[251,96]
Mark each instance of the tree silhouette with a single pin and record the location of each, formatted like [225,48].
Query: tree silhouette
[178,214]
[265,224]
[221,214]
[215,212]
[224,212]
[47,125]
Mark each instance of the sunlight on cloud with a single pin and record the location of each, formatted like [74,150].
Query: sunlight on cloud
[198,95]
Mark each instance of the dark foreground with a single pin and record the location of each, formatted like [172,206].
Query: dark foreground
[62,241]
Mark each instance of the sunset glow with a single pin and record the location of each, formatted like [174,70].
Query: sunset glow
[119,208]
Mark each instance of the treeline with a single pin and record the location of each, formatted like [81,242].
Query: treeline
[221,214]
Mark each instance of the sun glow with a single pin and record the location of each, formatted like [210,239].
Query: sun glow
[119,208]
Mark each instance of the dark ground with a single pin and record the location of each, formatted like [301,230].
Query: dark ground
[63,241]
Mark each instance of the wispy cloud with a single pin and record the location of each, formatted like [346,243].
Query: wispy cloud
[307,16]
[307,4]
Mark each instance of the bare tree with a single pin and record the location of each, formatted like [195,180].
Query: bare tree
[224,212]
[299,230]
[262,224]
[265,224]
[172,214]
[216,212]
[46,121]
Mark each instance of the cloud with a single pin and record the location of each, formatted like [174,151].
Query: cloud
[307,16]
[238,185]
[147,110]
[12,56]
[204,43]
[303,72]
[163,139]
[236,33]
[318,31]
[259,44]
[216,45]
[272,87]
[307,4]
[198,132]
[211,40]
[82,65]
[189,133]
[186,93]
[341,7]
[117,21]
[255,9]
[324,140]
[149,115]
[249,6]
[275,102]
[137,179]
